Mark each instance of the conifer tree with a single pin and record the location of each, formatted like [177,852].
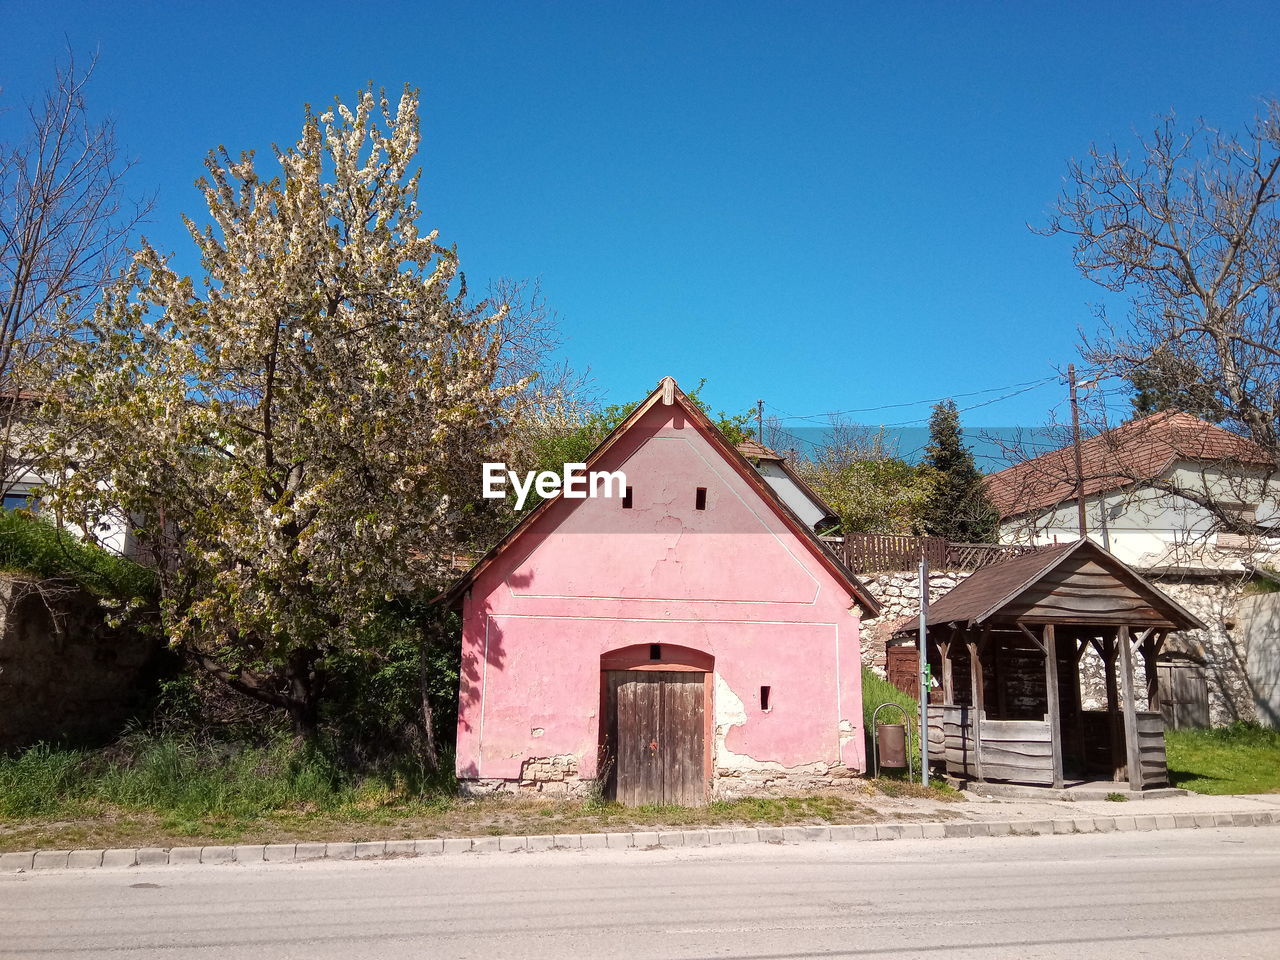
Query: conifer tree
[958,507]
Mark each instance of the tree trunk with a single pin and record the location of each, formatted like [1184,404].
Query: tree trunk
[302,700]
[430,750]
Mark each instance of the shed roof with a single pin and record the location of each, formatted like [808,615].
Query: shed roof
[985,594]
[667,392]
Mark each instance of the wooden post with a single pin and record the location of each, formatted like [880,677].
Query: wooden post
[948,688]
[1153,675]
[1113,706]
[1082,754]
[1051,688]
[1132,755]
[975,682]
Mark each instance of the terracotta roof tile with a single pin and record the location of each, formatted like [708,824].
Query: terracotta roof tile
[754,450]
[1134,452]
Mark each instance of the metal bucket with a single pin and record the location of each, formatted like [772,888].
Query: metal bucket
[891,741]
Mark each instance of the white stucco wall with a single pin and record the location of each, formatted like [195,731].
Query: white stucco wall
[110,533]
[1147,527]
[790,493]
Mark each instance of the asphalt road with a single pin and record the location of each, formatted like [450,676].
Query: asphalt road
[1185,893]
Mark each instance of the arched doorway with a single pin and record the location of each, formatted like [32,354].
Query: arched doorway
[655,734]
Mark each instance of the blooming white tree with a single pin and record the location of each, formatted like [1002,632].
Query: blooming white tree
[289,428]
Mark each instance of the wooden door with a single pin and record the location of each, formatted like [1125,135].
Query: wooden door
[1184,695]
[656,738]
[902,663]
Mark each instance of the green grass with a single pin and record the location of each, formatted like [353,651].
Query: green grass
[151,790]
[188,780]
[34,547]
[1241,758]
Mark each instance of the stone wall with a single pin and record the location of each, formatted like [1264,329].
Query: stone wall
[64,673]
[731,784]
[1221,644]
[899,596]
[549,775]
[1258,617]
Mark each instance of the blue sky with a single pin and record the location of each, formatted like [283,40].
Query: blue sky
[820,205]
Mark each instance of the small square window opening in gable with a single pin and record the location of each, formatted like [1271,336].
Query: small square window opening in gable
[626,499]
[700,499]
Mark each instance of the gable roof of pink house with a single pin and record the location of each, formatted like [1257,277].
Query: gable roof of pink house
[668,393]
[702,587]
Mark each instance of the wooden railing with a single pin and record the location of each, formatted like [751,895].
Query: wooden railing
[876,552]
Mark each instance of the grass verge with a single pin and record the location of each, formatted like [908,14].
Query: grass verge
[1241,758]
[150,791]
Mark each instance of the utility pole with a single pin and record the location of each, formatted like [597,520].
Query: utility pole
[760,421]
[1075,443]
[924,670]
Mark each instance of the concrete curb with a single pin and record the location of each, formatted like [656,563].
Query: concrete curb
[42,860]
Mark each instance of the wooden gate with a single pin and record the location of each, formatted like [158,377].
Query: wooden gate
[1184,695]
[902,663]
[656,737]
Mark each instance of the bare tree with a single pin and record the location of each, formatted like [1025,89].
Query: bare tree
[1188,230]
[64,225]
[530,334]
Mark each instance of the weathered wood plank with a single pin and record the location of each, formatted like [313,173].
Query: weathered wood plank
[648,707]
[1031,752]
[1055,711]
[1130,709]
[1017,774]
[1036,730]
[681,739]
[975,677]
[948,687]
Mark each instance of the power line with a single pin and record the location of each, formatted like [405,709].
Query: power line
[975,406]
[1028,384]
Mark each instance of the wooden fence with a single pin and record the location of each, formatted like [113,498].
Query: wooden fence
[876,552]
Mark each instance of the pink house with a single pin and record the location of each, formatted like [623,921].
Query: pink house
[690,638]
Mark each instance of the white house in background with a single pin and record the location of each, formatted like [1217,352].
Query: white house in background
[1128,473]
[791,489]
[20,489]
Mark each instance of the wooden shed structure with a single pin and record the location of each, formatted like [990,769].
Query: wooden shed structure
[1008,643]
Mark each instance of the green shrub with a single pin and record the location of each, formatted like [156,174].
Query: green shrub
[877,691]
[33,546]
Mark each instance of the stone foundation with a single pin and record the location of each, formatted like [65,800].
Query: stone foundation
[732,784]
[556,776]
